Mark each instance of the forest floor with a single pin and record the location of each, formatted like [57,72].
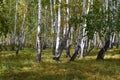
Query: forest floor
[25,67]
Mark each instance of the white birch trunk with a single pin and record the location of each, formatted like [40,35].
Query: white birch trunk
[88,46]
[88,7]
[118,40]
[52,25]
[45,24]
[58,30]
[67,17]
[22,36]
[14,35]
[95,40]
[55,17]
[51,9]
[71,37]
[39,31]
[45,29]
[82,43]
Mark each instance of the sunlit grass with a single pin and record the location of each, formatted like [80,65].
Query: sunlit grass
[25,67]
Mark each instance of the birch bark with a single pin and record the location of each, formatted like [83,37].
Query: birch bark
[22,36]
[14,35]
[38,58]
[58,31]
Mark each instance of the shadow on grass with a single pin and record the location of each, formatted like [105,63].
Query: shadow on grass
[77,70]
[31,75]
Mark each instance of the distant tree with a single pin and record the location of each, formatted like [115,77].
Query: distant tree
[14,35]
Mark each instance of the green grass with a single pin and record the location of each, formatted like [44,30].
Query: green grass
[25,67]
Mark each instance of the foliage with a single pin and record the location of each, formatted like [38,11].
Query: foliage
[4,25]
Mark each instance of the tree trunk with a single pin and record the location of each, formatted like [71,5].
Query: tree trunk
[52,26]
[95,40]
[18,48]
[88,46]
[38,58]
[23,27]
[68,44]
[75,53]
[68,51]
[62,45]
[80,41]
[77,47]
[0,45]
[55,29]
[4,44]
[14,35]
[101,53]
[83,25]
[45,29]
[118,41]
[57,51]
[82,48]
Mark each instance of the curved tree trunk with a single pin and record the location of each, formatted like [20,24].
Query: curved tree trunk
[62,46]
[101,53]
[75,53]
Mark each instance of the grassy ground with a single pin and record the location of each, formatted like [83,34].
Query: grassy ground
[25,67]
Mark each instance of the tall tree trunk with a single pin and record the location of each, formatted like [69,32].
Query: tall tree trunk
[118,41]
[101,53]
[57,52]
[23,27]
[107,41]
[75,53]
[54,27]
[82,44]
[68,46]
[39,31]
[80,41]
[0,45]
[62,45]
[45,29]
[22,36]
[14,35]
[88,46]
[4,43]
[77,46]
[95,40]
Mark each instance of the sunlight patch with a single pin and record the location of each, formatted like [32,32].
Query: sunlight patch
[26,68]
[116,56]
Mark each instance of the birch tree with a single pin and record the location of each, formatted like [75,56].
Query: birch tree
[57,52]
[14,35]
[80,41]
[45,28]
[68,46]
[39,31]
[21,41]
[55,28]
[22,35]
